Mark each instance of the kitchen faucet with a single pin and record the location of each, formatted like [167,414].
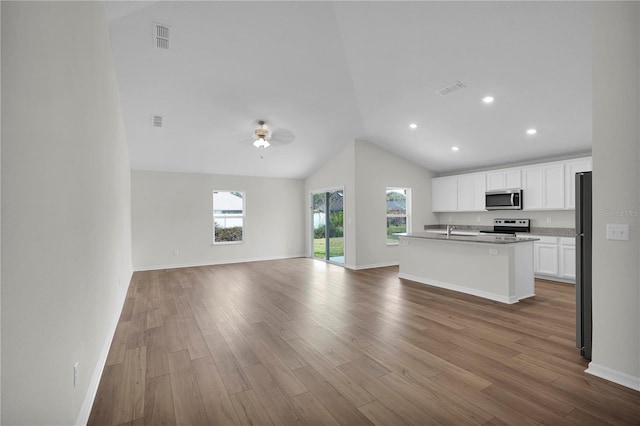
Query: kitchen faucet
[449,229]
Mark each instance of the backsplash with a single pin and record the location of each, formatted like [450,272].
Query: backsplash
[539,219]
[550,231]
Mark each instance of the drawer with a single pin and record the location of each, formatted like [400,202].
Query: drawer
[546,239]
[568,241]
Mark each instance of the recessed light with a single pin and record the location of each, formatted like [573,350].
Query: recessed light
[455,148]
[532,131]
[413,126]
[488,99]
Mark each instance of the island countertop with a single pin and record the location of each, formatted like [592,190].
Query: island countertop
[467,237]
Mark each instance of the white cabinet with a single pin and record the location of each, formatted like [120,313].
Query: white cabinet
[543,186]
[567,258]
[554,258]
[444,194]
[504,179]
[471,189]
[572,167]
[547,186]
[545,257]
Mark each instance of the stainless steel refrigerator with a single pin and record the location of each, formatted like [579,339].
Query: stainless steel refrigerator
[583,263]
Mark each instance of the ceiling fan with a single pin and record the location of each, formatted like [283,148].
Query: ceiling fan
[264,138]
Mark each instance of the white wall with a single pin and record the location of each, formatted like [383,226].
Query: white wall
[377,169]
[365,171]
[336,173]
[616,155]
[65,208]
[174,211]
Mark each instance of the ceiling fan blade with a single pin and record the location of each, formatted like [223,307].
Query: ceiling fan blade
[281,137]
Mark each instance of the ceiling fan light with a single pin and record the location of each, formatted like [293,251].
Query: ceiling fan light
[261,143]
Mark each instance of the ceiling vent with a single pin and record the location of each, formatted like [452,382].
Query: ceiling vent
[450,89]
[157,121]
[161,36]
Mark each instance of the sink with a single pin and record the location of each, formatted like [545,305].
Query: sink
[454,232]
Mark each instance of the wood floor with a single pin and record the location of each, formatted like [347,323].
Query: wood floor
[299,341]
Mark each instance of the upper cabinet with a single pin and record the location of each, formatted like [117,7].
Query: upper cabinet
[572,167]
[547,186]
[504,179]
[471,189]
[444,194]
[543,186]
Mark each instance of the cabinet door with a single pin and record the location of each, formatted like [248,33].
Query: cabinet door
[572,167]
[545,256]
[553,186]
[495,180]
[568,258]
[471,189]
[504,179]
[444,194]
[512,179]
[532,187]
[546,259]
[543,186]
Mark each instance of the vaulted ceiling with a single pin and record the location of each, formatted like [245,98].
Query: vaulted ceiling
[332,72]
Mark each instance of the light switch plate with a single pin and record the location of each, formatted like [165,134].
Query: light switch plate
[617,232]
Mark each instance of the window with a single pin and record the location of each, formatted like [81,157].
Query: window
[398,213]
[228,217]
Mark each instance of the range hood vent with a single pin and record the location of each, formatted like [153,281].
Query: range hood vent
[157,121]
[450,89]
[161,36]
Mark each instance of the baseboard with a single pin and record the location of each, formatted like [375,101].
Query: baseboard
[374,265]
[212,263]
[614,376]
[90,396]
[555,278]
[461,289]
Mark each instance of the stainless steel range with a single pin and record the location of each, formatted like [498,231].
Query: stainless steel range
[509,227]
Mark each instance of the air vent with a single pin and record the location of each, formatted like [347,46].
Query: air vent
[161,36]
[450,89]
[157,120]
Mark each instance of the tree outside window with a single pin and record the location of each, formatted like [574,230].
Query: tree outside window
[228,217]
[398,213]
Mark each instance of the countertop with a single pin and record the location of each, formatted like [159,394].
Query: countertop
[456,236]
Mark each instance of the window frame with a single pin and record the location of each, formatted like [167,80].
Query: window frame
[406,215]
[241,216]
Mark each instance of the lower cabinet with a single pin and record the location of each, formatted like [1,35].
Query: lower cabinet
[545,256]
[554,258]
[568,258]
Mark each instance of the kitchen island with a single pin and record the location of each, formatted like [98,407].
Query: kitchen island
[494,267]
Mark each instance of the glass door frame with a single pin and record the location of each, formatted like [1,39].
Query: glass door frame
[327,256]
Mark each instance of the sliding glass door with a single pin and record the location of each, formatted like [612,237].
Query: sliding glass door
[328,225]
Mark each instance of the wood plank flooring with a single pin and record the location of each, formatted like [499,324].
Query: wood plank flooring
[298,341]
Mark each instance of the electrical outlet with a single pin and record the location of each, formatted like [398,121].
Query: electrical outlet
[176,252]
[617,232]
[493,251]
[477,218]
[76,374]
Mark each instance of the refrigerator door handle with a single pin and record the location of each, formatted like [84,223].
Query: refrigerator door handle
[579,297]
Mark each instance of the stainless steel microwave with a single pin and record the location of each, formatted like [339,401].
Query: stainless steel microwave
[503,199]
